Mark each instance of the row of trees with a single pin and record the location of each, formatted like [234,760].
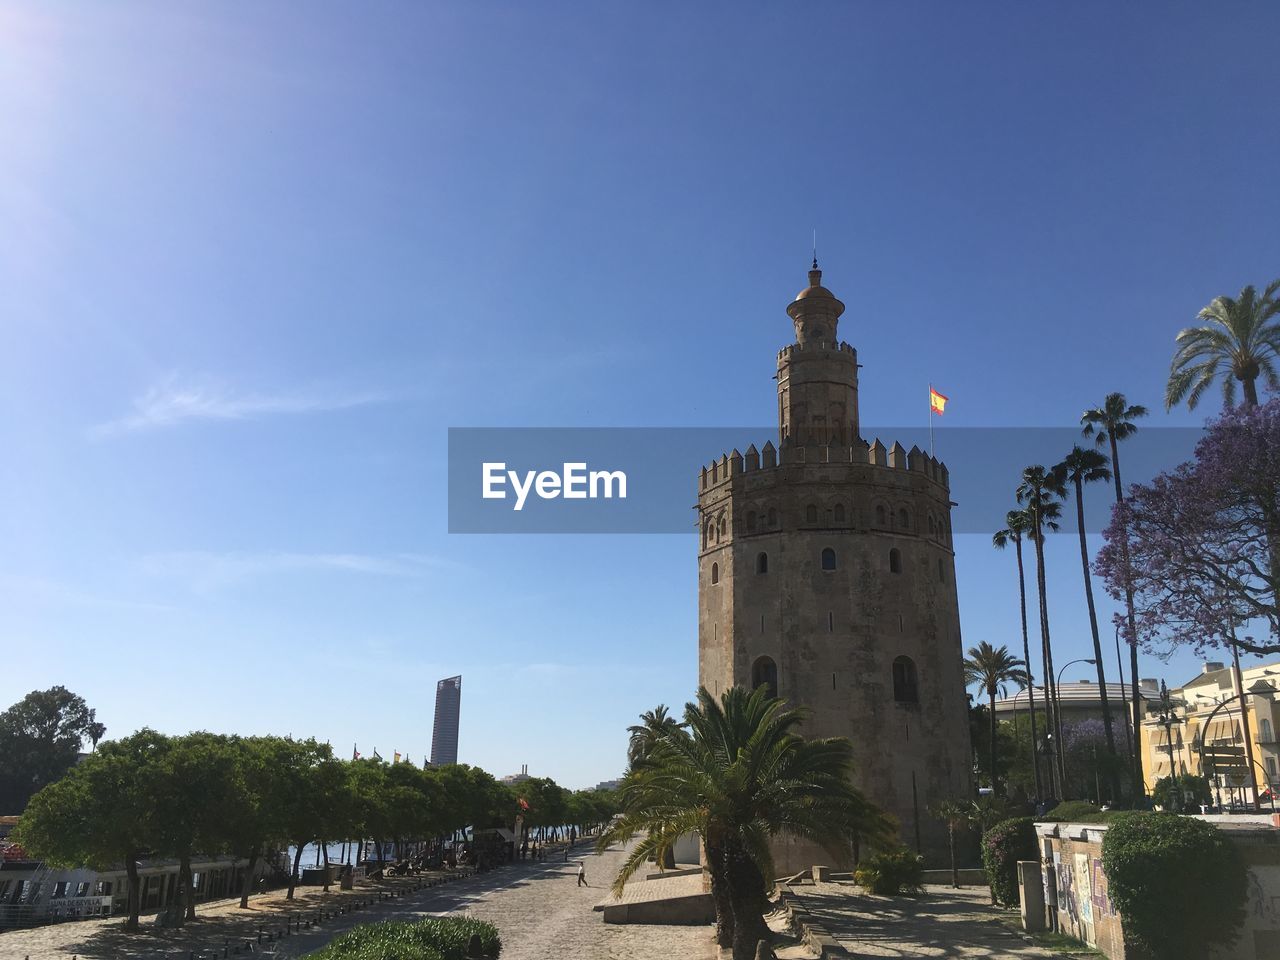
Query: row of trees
[1192,555]
[151,795]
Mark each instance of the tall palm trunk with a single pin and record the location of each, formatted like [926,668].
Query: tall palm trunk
[1055,719]
[1093,626]
[1026,658]
[746,895]
[1135,699]
[1250,390]
[720,893]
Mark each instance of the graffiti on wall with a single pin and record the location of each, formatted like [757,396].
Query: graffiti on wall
[1098,881]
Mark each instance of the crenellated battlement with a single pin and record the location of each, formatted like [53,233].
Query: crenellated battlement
[813,347]
[897,457]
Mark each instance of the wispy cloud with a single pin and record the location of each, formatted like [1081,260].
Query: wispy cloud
[207,570]
[173,401]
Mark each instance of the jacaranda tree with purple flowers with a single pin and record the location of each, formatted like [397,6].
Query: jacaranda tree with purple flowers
[1204,540]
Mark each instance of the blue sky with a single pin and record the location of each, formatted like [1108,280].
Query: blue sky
[257,259]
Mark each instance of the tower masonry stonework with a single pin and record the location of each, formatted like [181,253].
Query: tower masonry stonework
[826,572]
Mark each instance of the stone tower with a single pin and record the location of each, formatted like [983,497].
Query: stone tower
[826,571]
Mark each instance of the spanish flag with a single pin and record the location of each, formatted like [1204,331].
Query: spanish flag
[937,402]
[397,757]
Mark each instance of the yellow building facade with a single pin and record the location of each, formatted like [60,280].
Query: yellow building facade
[1202,731]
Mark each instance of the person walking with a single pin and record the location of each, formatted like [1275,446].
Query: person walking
[582,874]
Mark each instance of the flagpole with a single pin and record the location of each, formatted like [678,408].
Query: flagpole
[931,420]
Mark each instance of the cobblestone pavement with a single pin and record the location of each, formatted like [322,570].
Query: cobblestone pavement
[941,923]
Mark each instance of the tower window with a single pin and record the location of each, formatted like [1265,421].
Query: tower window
[773,518]
[811,514]
[882,518]
[828,558]
[904,518]
[930,524]
[839,513]
[751,521]
[895,561]
[715,573]
[762,563]
[906,687]
[942,571]
[764,673]
[708,532]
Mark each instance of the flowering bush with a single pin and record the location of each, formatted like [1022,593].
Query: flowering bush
[1002,847]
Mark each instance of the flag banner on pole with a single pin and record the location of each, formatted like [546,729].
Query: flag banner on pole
[355,754]
[937,402]
[396,757]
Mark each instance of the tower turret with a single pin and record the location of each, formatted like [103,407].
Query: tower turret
[817,375]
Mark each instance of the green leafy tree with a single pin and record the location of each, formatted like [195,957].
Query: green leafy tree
[1185,793]
[1040,491]
[1238,340]
[1110,424]
[738,775]
[191,786]
[991,669]
[1017,524]
[1079,467]
[100,814]
[40,737]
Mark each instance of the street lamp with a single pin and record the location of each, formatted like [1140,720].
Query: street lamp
[1057,721]
[1166,716]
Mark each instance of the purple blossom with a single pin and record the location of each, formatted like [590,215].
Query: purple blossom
[1199,546]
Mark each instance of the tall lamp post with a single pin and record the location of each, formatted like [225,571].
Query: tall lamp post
[1057,711]
[1166,716]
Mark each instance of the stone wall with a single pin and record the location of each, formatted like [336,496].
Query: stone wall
[1073,879]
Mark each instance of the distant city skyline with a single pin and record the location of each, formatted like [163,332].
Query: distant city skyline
[445,729]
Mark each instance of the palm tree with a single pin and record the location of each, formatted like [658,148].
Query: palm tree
[652,726]
[956,814]
[739,774]
[1238,334]
[1109,424]
[95,732]
[1083,466]
[990,668]
[1040,491]
[1016,525]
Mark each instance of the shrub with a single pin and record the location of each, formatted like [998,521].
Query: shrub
[437,938]
[1073,811]
[889,874]
[1002,847]
[1191,793]
[1178,884]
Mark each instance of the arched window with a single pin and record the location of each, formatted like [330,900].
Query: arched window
[751,521]
[707,533]
[764,673]
[942,571]
[762,563]
[895,561]
[773,518]
[1266,730]
[811,514]
[715,573]
[723,528]
[828,558]
[904,518]
[931,524]
[839,513]
[882,519]
[906,687]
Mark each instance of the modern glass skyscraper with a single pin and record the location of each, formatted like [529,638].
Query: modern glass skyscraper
[444,734]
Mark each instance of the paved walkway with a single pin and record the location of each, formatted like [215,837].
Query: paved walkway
[540,911]
[941,923]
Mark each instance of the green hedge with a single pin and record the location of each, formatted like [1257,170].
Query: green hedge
[892,873]
[1178,884]
[1002,847]
[438,938]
